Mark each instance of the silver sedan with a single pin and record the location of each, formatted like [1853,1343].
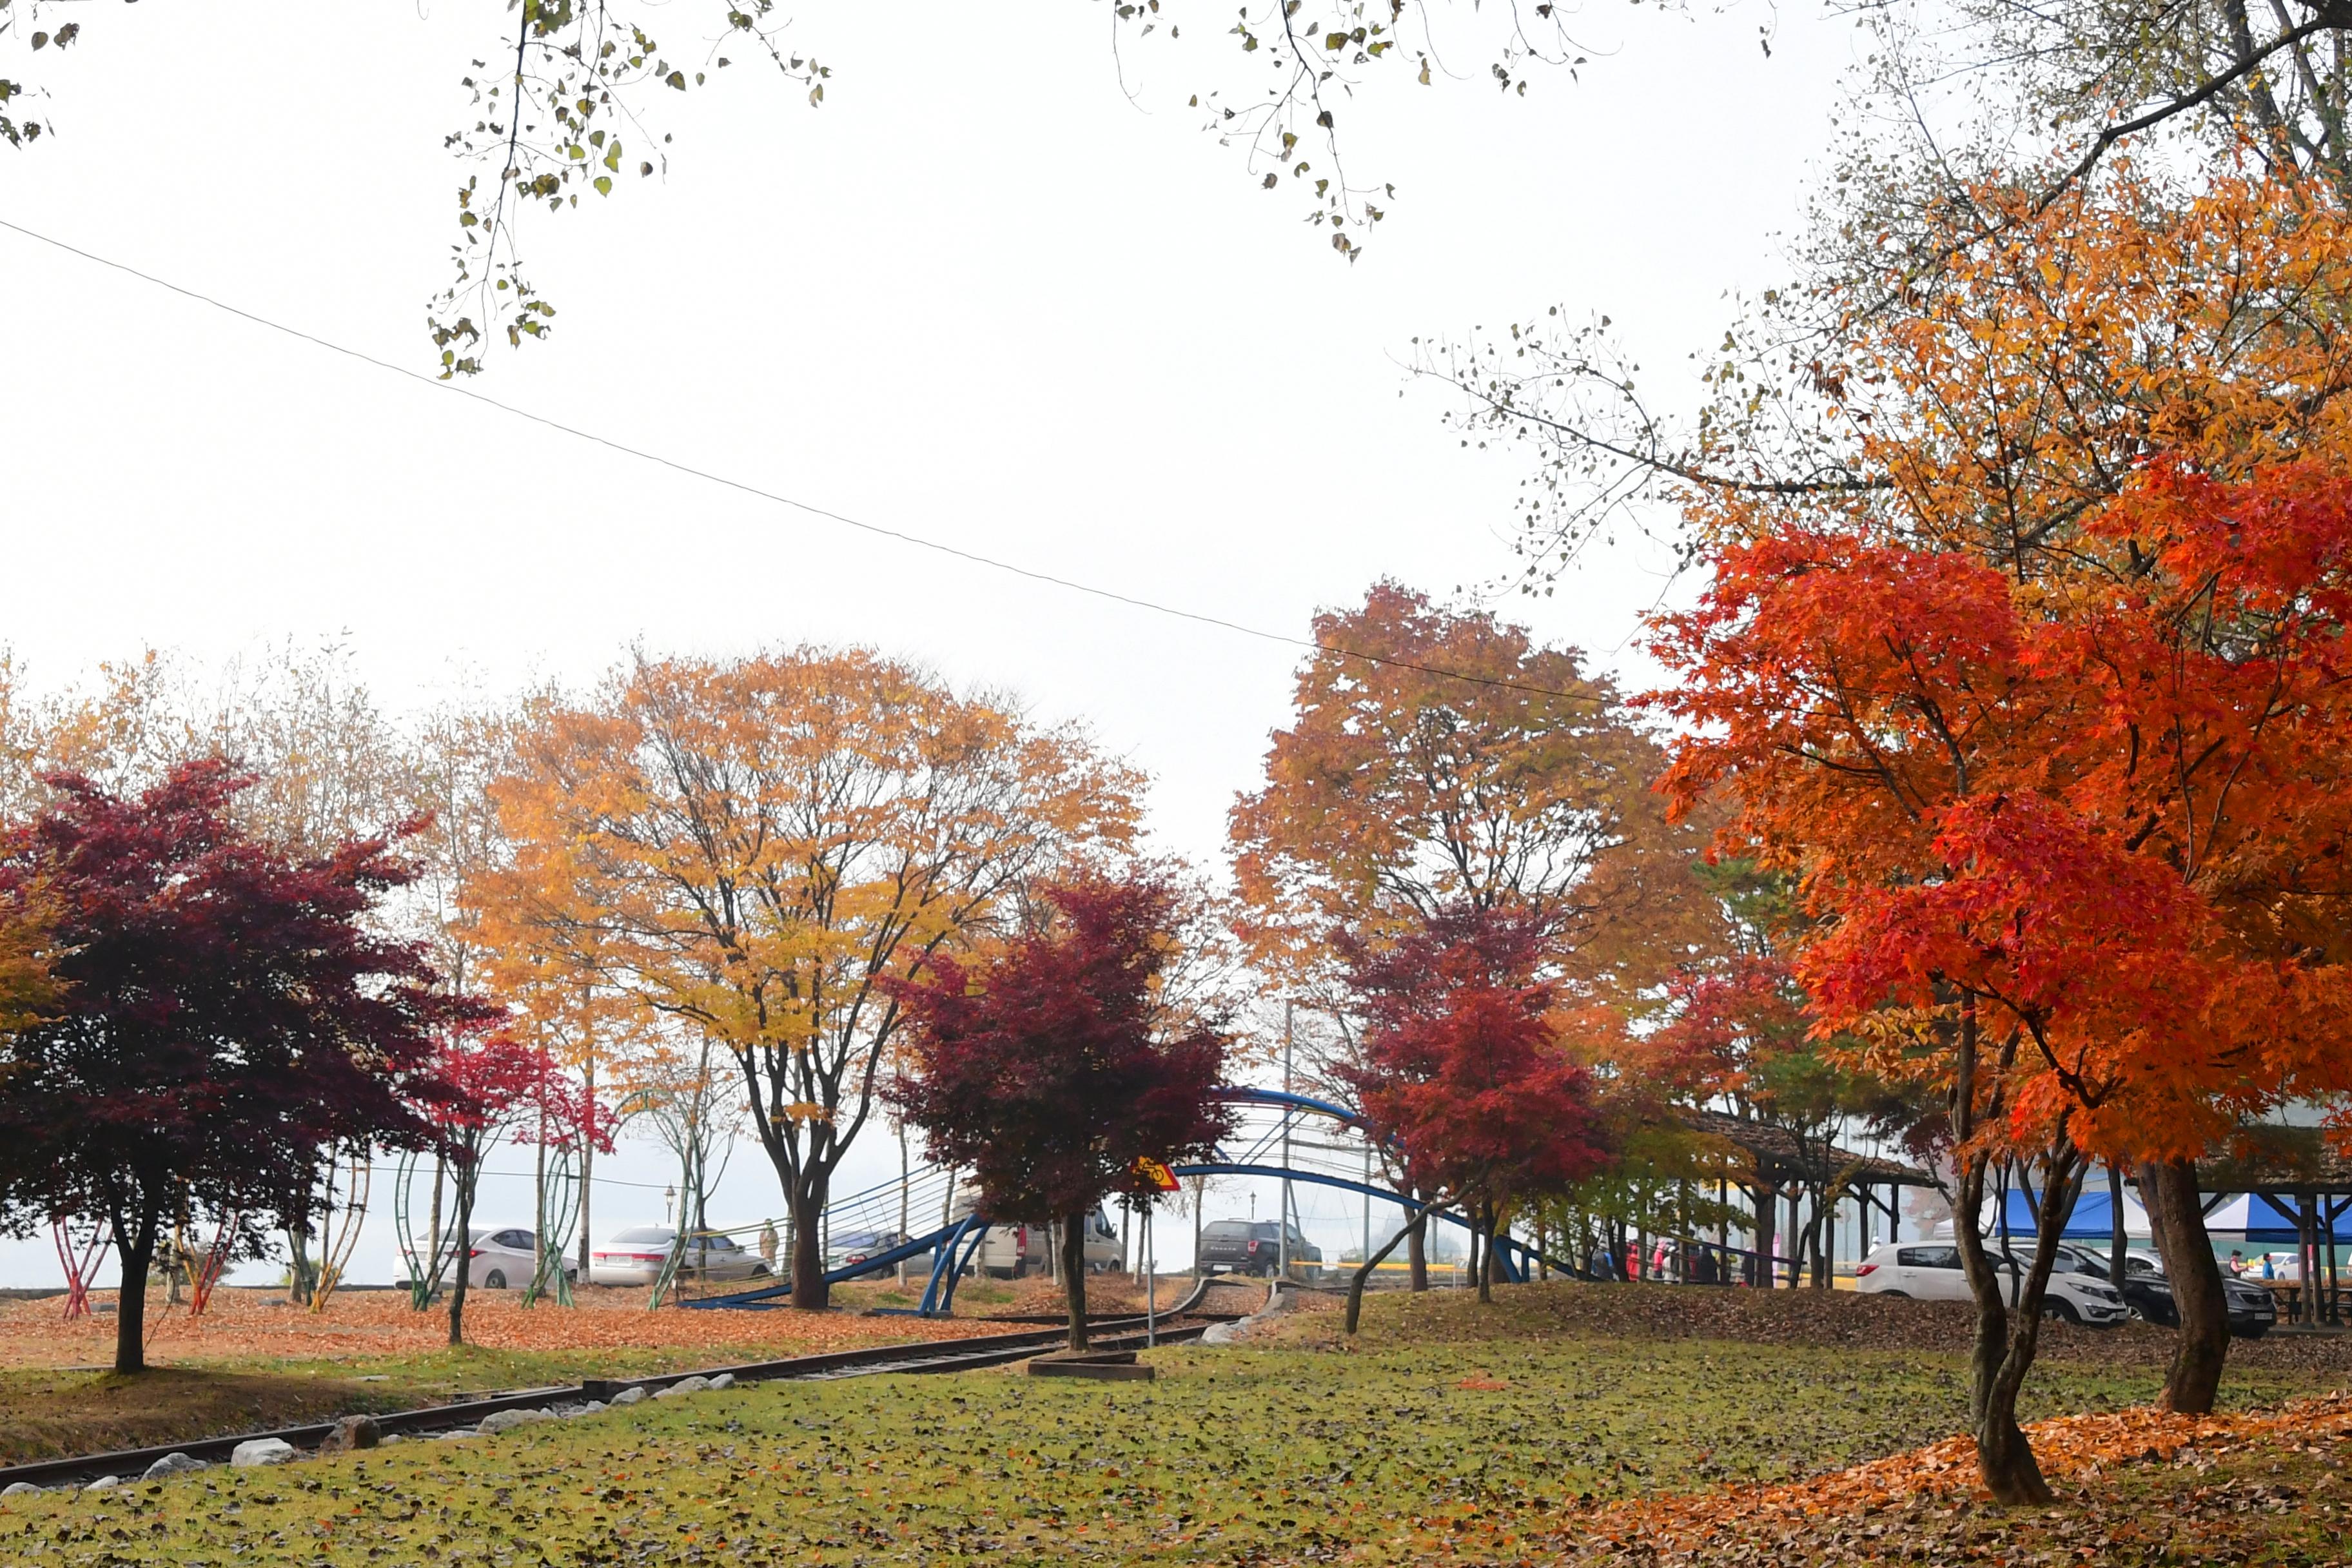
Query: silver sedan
[635,1256]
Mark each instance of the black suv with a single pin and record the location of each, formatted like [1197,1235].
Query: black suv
[2253,1310]
[1252,1246]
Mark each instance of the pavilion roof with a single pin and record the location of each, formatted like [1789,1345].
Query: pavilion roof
[1780,1153]
[2270,1158]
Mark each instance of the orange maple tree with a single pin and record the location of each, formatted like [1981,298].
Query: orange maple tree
[1440,757]
[2031,816]
[2042,705]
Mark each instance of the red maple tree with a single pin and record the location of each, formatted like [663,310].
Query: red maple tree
[2072,848]
[1049,1067]
[224,1017]
[491,1086]
[1461,1067]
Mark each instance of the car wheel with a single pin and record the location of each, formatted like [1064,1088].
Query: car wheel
[2061,1310]
[761,1271]
[1898,1295]
[496,1280]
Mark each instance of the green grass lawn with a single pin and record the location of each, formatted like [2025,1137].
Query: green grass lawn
[1475,1443]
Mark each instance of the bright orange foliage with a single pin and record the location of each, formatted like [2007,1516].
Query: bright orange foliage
[2052,717]
[2114,812]
[1398,789]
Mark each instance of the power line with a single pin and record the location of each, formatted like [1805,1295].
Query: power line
[917,540]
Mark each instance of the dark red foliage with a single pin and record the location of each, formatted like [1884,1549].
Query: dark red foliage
[500,1089]
[495,1087]
[1461,1064]
[227,1020]
[1049,1069]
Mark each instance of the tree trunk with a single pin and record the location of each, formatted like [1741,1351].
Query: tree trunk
[297,1267]
[810,1292]
[1074,1277]
[2005,1459]
[2168,1190]
[1486,1257]
[587,1165]
[2009,1326]
[2119,1241]
[1416,1253]
[1763,1274]
[135,1245]
[1364,1273]
[462,1249]
[538,1211]
[433,1262]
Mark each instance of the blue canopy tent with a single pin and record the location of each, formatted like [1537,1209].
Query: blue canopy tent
[2247,1218]
[2091,1220]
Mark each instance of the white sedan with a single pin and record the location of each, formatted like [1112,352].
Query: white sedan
[1931,1271]
[635,1256]
[498,1259]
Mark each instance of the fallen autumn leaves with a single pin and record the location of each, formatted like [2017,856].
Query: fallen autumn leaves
[2071,1448]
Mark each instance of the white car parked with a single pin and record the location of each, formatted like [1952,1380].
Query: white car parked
[635,1256]
[1931,1271]
[500,1258]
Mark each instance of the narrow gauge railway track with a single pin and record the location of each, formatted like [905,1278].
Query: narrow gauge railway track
[1179,1322]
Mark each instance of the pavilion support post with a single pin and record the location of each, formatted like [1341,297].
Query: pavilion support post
[2335,1281]
[1796,1236]
[1722,1232]
[1826,1207]
[2306,1260]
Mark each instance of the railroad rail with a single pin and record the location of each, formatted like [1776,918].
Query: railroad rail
[1127,1332]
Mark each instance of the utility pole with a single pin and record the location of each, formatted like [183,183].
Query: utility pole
[1284,1244]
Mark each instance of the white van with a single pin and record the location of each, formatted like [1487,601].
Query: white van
[1011,1251]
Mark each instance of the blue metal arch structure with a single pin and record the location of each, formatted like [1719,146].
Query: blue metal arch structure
[1242,1094]
[953,1248]
[1516,1256]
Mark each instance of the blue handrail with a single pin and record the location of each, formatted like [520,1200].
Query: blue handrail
[1244,1094]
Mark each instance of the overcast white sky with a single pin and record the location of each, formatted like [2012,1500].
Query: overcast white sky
[982,295]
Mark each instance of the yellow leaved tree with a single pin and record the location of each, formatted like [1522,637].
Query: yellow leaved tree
[753,846]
